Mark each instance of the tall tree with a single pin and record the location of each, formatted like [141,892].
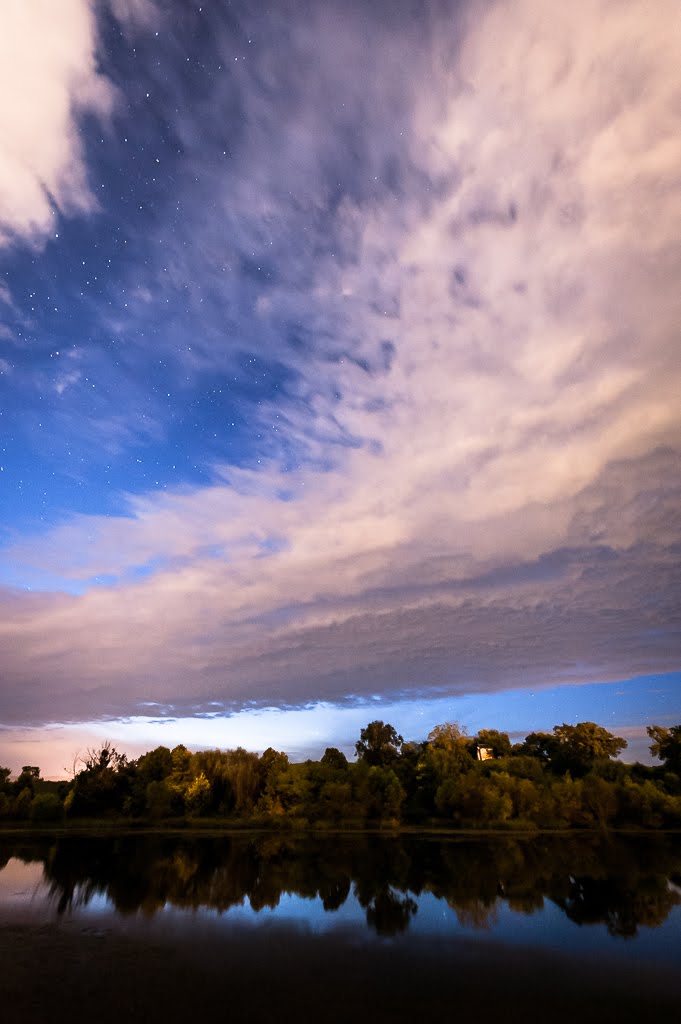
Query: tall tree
[379,744]
[102,785]
[666,745]
[580,746]
[449,750]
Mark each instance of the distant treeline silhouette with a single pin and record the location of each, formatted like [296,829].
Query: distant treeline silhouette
[568,778]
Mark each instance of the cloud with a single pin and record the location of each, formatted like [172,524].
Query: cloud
[477,331]
[136,13]
[342,609]
[48,79]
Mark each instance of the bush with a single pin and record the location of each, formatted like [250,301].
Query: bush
[46,807]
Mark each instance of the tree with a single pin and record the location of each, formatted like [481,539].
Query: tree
[102,785]
[107,757]
[498,742]
[449,750]
[30,774]
[335,759]
[274,766]
[540,745]
[197,797]
[581,746]
[156,765]
[379,744]
[21,805]
[46,807]
[666,745]
[160,799]
[379,793]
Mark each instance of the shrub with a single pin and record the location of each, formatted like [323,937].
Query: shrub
[46,807]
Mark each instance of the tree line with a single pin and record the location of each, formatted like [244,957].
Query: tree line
[568,778]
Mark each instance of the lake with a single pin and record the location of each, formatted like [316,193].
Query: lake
[272,927]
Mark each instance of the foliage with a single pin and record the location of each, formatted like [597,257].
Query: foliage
[498,742]
[378,744]
[198,794]
[666,745]
[102,785]
[334,758]
[46,807]
[579,747]
[564,779]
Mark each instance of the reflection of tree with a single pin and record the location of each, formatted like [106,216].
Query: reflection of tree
[388,913]
[475,914]
[614,902]
[525,904]
[334,893]
[621,882]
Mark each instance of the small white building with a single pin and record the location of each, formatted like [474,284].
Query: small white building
[484,753]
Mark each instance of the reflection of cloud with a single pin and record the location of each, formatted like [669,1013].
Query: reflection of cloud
[467,280]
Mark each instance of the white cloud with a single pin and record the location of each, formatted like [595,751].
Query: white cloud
[48,79]
[136,13]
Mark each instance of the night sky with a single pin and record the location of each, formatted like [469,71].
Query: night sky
[340,370]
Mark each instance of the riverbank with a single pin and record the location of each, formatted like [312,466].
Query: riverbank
[209,827]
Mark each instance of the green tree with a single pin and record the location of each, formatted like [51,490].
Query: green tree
[539,745]
[379,744]
[46,807]
[155,766]
[449,751]
[666,745]
[474,799]
[599,799]
[334,758]
[381,794]
[335,800]
[160,799]
[198,794]
[103,785]
[498,742]
[245,778]
[30,775]
[273,766]
[580,747]
[20,807]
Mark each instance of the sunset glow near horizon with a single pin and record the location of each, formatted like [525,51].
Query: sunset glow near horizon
[339,371]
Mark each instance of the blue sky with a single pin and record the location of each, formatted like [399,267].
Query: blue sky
[338,369]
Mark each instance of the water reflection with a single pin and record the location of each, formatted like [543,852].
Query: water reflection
[623,883]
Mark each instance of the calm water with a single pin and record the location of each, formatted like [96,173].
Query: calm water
[589,925]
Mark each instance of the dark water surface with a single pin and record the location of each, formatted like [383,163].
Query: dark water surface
[270,927]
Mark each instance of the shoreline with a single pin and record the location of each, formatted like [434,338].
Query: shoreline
[209,828]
